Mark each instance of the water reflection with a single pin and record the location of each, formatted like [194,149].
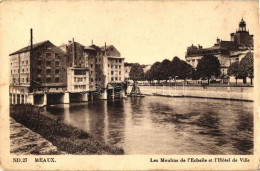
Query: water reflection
[160,125]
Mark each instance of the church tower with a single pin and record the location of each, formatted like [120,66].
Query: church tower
[242,37]
[242,25]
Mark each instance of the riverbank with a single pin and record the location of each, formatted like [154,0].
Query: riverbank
[228,93]
[65,137]
[24,141]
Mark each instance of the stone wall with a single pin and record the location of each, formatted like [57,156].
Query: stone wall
[232,93]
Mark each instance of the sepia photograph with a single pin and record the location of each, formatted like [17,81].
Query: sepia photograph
[156,79]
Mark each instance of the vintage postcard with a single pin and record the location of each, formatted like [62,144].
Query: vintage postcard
[129,85]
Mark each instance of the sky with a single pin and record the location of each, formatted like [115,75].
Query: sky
[143,32]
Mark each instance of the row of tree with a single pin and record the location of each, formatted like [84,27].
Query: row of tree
[243,69]
[208,67]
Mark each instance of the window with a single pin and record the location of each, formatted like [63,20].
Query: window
[119,72]
[48,71]
[116,60]
[116,66]
[23,70]
[108,65]
[27,80]
[119,66]
[22,62]
[91,72]
[11,64]
[120,78]
[14,80]
[188,60]
[91,80]
[91,65]
[11,71]
[112,79]
[111,66]
[23,80]
[237,59]
[57,55]
[48,63]
[57,80]
[120,61]
[112,72]
[38,80]
[27,69]
[57,63]
[57,71]
[26,61]
[48,80]
[48,55]
[39,63]
[14,71]
[79,72]
[116,78]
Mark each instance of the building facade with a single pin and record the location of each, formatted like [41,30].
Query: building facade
[36,70]
[227,52]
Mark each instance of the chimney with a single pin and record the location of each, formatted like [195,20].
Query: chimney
[91,42]
[73,52]
[218,40]
[105,49]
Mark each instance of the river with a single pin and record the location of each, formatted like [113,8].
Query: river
[165,125]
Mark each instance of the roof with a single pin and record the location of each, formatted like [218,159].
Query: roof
[230,45]
[103,47]
[27,48]
[115,57]
[89,48]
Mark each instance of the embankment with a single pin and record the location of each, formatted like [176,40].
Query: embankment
[216,92]
[24,141]
[65,137]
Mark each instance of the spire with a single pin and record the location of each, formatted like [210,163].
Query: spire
[242,25]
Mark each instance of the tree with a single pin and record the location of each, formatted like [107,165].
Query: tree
[185,70]
[155,71]
[247,67]
[234,70]
[164,68]
[194,74]
[136,72]
[208,66]
[180,68]
[148,75]
[175,67]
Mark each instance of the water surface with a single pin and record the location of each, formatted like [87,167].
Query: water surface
[162,125]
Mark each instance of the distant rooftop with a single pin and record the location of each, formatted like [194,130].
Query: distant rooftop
[27,48]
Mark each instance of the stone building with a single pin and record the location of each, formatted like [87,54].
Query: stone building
[240,43]
[104,66]
[115,64]
[44,74]
[37,72]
